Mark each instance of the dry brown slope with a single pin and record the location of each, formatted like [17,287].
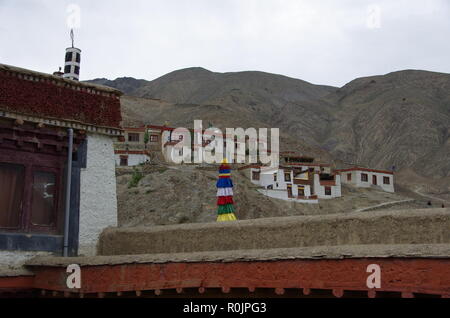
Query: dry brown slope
[400,119]
[186,194]
[197,85]
[139,111]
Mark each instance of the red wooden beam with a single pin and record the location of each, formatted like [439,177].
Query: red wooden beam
[405,276]
[16,282]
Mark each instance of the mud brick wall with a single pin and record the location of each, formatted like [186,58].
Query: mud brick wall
[428,226]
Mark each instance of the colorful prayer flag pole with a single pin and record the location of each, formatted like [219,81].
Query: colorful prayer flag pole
[224,186]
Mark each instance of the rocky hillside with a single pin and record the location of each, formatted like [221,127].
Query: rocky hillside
[199,86]
[187,194]
[400,119]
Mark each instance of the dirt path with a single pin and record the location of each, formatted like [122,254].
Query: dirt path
[383,204]
[429,196]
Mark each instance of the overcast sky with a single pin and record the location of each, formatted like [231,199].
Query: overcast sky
[324,41]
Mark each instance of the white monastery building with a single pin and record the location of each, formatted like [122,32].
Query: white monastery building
[365,178]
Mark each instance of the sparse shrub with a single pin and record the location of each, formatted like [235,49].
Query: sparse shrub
[135,178]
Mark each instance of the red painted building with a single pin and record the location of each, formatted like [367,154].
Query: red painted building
[36,112]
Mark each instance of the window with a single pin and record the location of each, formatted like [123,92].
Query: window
[301,191]
[78,57]
[133,137]
[69,57]
[153,138]
[327,190]
[11,195]
[386,180]
[374,180]
[67,69]
[349,177]
[43,199]
[255,175]
[289,191]
[364,177]
[275,177]
[287,177]
[124,160]
[77,70]
[32,196]
[29,198]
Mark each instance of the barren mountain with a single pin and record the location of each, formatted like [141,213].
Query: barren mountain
[401,119]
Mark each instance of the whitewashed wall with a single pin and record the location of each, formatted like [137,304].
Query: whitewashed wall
[356,180]
[98,202]
[282,195]
[320,189]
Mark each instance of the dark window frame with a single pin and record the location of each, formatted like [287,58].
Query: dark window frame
[327,190]
[364,177]
[287,177]
[58,205]
[134,137]
[388,180]
[19,169]
[300,191]
[33,162]
[123,161]
[69,57]
[289,191]
[14,241]
[374,179]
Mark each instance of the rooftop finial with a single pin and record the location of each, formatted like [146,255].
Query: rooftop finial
[72,36]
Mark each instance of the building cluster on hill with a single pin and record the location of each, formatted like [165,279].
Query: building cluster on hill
[301,179]
[138,143]
[297,178]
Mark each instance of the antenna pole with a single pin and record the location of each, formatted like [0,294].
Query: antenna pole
[72,36]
